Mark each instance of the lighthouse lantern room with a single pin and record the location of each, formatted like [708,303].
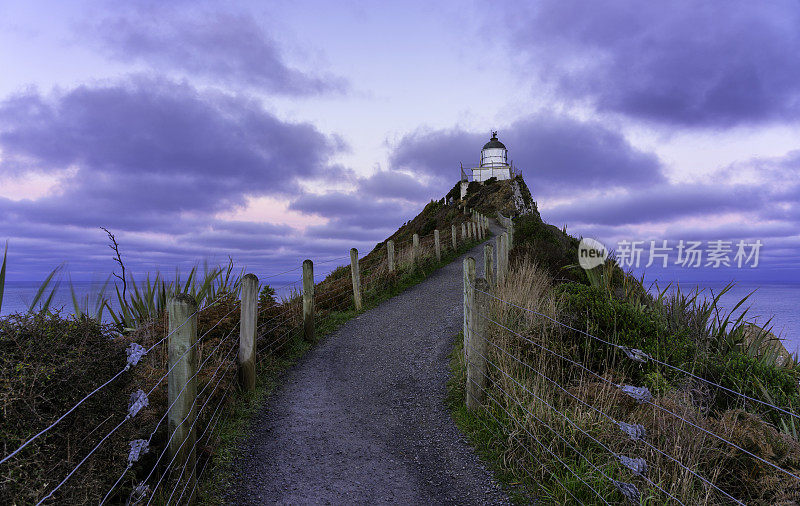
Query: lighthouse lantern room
[494,153]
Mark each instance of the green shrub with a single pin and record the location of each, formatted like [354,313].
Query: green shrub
[428,227]
[267,296]
[648,329]
[753,377]
[548,247]
[656,382]
[454,193]
[626,324]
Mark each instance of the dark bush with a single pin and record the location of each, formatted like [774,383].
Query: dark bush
[620,322]
[549,247]
[48,364]
[753,377]
[454,193]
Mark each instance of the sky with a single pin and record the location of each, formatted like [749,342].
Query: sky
[270,132]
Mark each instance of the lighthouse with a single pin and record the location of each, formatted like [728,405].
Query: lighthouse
[493,164]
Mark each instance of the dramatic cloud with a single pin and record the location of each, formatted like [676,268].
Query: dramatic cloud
[155,161]
[659,203]
[390,184]
[714,63]
[558,155]
[377,206]
[231,49]
[764,209]
[145,152]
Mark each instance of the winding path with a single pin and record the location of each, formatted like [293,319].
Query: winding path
[362,419]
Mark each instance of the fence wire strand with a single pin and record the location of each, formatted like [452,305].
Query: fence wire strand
[623,348]
[605,415]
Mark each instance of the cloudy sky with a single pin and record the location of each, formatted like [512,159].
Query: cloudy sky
[276,131]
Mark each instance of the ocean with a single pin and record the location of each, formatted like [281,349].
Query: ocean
[18,295]
[779,301]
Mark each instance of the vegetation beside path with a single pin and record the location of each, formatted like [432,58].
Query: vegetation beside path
[567,450]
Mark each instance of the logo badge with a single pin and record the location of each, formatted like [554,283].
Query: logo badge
[591,253]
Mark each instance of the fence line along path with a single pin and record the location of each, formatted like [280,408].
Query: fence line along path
[362,417]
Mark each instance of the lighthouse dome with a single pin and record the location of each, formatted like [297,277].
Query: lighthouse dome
[494,143]
[494,153]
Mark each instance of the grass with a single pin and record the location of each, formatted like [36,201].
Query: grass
[548,428]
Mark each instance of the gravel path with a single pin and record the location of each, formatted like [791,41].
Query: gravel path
[362,417]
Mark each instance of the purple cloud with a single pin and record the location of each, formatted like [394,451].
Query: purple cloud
[558,155]
[229,48]
[715,64]
[146,151]
[659,203]
[353,209]
[391,184]
[154,161]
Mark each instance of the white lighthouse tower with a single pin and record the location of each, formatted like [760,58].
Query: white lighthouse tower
[494,164]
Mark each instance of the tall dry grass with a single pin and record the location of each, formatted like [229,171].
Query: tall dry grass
[559,420]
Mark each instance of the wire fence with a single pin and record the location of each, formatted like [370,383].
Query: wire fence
[585,432]
[183,374]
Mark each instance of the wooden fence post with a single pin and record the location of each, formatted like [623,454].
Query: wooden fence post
[498,257]
[437,246]
[182,382]
[487,263]
[469,295]
[247,332]
[506,249]
[453,233]
[308,300]
[505,254]
[415,248]
[390,254]
[478,347]
[356,275]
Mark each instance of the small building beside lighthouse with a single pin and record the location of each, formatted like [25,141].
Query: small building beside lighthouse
[494,163]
